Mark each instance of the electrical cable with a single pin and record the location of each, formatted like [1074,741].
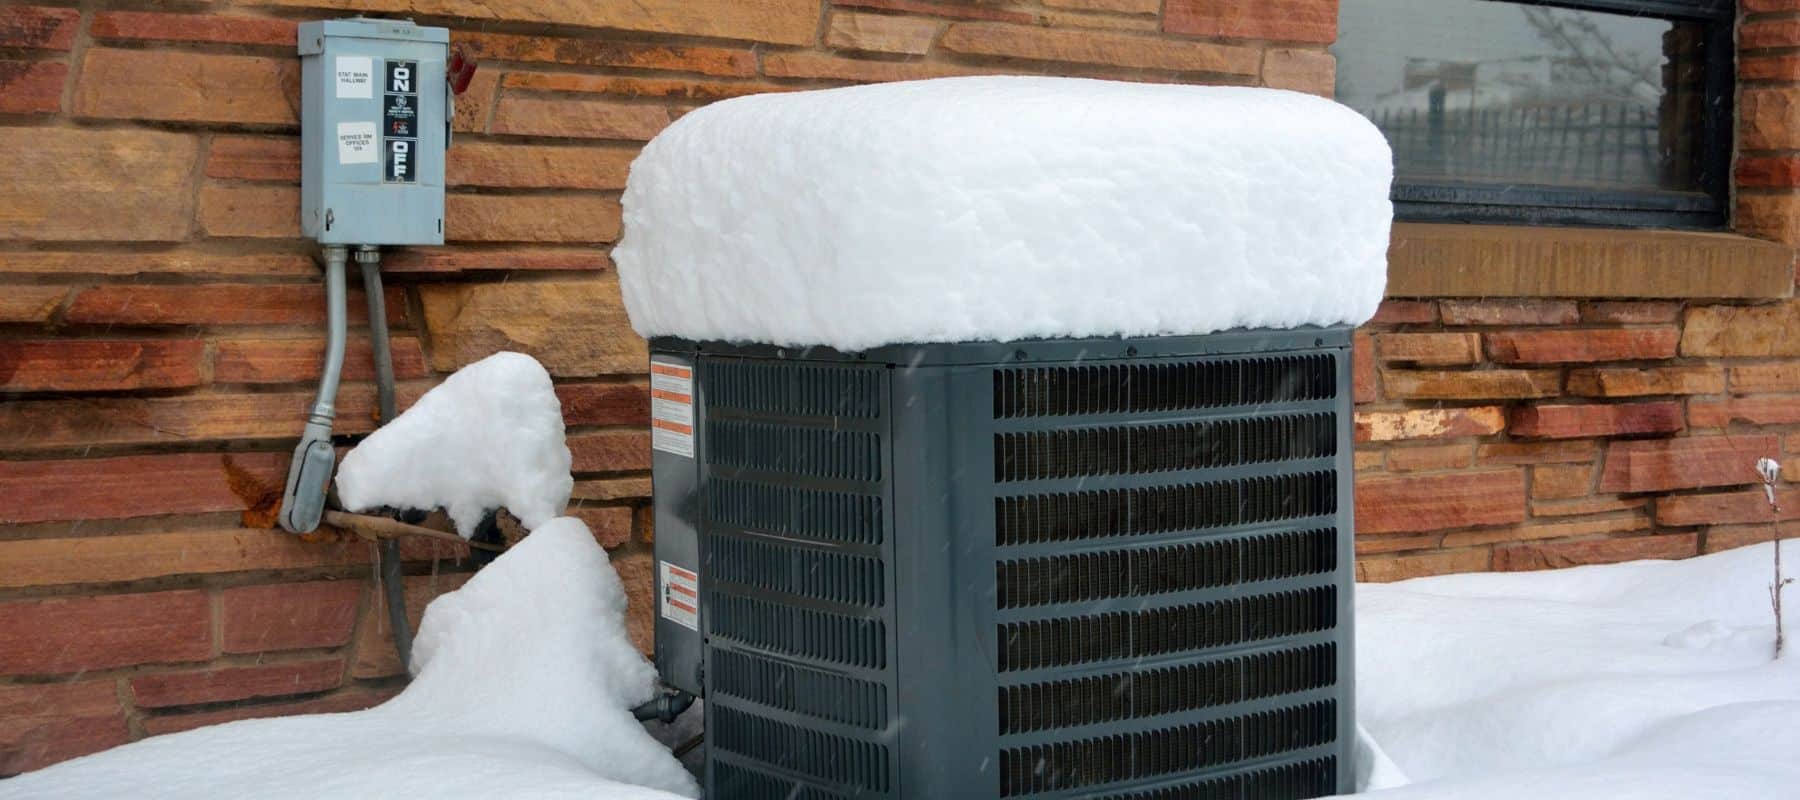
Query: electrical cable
[309,473]
[666,706]
[393,583]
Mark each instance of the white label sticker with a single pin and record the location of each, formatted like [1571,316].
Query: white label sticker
[680,596]
[356,143]
[672,407]
[355,77]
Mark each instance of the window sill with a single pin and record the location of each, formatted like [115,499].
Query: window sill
[1438,260]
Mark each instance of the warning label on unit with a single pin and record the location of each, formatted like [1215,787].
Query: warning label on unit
[355,77]
[680,596]
[400,116]
[356,142]
[672,407]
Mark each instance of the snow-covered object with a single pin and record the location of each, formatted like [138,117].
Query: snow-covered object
[524,688]
[490,436]
[1770,470]
[1643,681]
[545,640]
[1001,208]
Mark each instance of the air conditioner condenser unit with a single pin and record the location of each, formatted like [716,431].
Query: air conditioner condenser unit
[1104,568]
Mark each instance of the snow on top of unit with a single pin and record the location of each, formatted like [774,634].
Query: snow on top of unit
[1001,208]
[490,436]
[525,680]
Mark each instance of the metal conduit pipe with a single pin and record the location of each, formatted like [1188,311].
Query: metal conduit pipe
[668,704]
[369,259]
[393,582]
[309,474]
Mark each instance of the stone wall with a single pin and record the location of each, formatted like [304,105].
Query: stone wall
[161,321]
[1623,423]
[1529,434]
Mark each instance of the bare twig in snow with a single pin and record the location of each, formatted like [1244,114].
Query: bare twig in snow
[1770,470]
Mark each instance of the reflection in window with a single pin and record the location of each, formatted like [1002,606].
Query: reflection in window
[1475,91]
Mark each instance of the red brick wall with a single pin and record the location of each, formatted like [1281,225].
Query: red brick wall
[1768,168]
[160,319]
[1525,434]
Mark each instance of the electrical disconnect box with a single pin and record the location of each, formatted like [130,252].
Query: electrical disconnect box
[375,113]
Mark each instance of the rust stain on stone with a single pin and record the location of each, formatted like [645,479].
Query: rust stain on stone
[262,502]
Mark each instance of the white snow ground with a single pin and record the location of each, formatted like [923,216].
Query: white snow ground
[524,686]
[1002,208]
[1646,680]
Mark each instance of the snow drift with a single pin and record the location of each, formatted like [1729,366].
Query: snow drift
[1644,680]
[524,688]
[490,436]
[1005,208]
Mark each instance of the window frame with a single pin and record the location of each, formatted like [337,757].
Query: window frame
[1539,204]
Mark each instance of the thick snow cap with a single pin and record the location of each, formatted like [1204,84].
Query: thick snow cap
[1001,208]
[490,436]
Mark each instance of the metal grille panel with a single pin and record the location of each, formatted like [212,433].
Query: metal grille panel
[1052,569]
[1078,516]
[794,579]
[790,687]
[800,571]
[1066,641]
[792,388]
[1304,779]
[1136,450]
[1224,489]
[1149,571]
[804,632]
[1146,388]
[731,780]
[796,512]
[1138,693]
[1124,757]
[816,452]
[821,755]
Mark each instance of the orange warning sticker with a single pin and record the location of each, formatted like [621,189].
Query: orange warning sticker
[672,407]
[680,595]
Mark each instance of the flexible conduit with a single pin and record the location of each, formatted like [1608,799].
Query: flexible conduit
[393,582]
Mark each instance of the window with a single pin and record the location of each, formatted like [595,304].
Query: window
[1601,112]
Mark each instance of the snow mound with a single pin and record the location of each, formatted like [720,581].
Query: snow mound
[1000,208]
[1646,680]
[490,436]
[524,688]
[569,686]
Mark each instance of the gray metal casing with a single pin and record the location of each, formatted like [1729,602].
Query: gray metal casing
[352,203]
[1053,569]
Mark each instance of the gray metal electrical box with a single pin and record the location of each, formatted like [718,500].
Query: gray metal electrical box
[374,124]
[1104,568]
